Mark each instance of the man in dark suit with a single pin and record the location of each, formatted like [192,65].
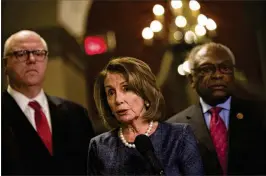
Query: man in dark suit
[41,134]
[230,131]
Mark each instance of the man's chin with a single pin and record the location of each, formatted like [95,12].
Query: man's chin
[33,82]
[219,94]
[219,97]
[216,97]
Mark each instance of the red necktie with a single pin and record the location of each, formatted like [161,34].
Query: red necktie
[219,136]
[42,125]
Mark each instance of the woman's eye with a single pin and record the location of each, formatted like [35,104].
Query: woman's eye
[125,88]
[110,92]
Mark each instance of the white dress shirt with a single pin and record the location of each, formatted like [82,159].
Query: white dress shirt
[224,114]
[23,102]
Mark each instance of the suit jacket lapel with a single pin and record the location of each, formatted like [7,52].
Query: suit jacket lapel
[238,124]
[57,122]
[238,132]
[199,126]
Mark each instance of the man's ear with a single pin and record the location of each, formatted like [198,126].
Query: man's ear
[191,80]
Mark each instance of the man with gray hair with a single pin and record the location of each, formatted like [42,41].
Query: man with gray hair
[41,134]
[230,130]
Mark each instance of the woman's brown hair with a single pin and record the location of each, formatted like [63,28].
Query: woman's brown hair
[140,80]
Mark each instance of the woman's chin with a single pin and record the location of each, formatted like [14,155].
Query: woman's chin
[125,118]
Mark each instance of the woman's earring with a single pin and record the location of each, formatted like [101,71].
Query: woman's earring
[147,104]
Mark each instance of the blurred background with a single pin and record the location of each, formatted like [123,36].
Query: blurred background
[83,35]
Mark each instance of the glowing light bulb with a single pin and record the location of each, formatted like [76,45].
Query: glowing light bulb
[190,37]
[147,33]
[211,25]
[194,5]
[176,4]
[200,30]
[158,10]
[178,35]
[180,21]
[180,70]
[186,67]
[156,26]
[202,19]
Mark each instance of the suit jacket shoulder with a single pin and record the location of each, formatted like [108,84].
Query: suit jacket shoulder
[185,115]
[69,109]
[64,103]
[253,112]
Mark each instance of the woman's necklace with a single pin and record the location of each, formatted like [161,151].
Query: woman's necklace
[133,145]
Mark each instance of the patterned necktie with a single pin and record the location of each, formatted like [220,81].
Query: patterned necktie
[42,125]
[219,136]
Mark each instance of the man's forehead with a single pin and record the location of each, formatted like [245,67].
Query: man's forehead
[21,37]
[26,33]
[24,38]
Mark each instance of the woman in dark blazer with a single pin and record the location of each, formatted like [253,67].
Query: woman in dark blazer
[128,100]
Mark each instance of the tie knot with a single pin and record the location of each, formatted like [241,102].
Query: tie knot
[35,105]
[215,110]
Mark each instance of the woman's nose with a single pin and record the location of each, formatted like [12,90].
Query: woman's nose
[119,99]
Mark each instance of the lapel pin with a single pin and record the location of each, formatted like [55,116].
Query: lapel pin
[240,116]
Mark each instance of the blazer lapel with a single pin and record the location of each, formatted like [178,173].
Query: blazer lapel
[199,126]
[237,123]
[238,133]
[58,132]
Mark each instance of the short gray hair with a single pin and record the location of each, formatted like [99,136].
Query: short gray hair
[192,55]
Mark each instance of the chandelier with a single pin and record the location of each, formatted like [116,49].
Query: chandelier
[187,24]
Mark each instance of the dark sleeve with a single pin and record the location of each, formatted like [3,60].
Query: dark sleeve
[89,127]
[93,160]
[80,131]
[264,137]
[10,158]
[191,163]
[88,135]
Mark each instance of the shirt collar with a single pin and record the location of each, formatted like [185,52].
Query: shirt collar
[23,101]
[206,107]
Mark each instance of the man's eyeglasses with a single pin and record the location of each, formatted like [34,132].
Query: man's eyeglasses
[209,69]
[23,55]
